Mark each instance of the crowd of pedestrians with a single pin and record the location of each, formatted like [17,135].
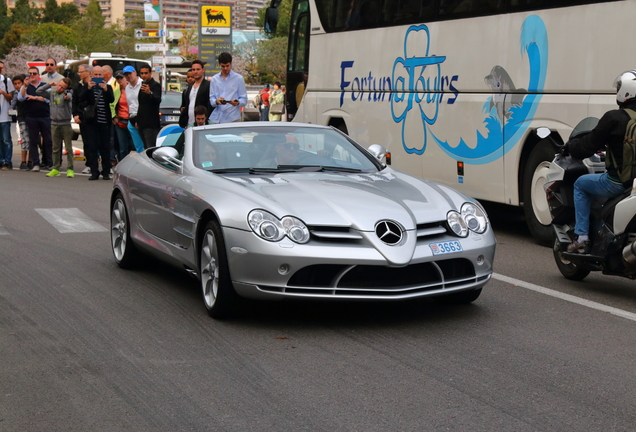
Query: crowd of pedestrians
[117,112]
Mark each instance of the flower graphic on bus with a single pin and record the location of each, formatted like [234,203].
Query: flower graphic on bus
[510,110]
[416,83]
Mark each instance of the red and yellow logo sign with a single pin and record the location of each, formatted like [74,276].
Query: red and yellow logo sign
[216,16]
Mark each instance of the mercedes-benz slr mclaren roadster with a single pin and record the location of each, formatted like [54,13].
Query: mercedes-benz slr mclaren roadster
[280,210]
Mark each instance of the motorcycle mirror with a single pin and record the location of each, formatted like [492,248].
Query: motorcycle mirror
[543,132]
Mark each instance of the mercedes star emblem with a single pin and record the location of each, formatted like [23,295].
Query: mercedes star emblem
[389,232]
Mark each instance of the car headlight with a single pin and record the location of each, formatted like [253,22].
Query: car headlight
[471,218]
[457,223]
[269,227]
[475,217]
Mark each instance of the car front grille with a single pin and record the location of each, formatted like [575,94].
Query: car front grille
[334,280]
[333,234]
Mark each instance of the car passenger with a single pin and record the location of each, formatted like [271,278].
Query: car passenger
[208,156]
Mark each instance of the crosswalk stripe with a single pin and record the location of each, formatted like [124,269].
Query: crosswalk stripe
[70,220]
[3,231]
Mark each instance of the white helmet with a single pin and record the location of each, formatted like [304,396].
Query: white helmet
[625,85]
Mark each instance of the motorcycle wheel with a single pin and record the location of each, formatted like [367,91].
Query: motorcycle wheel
[567,268]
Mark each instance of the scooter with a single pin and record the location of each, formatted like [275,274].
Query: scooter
[612,222]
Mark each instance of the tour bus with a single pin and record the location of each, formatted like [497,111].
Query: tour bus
[115,61]
[455,89]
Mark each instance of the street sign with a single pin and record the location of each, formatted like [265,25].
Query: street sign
[169,59]
[148,33]
[151,47]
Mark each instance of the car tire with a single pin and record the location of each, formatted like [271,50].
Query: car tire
[535,202]
[219,297]
[462,297]
[125,253]
[568,269]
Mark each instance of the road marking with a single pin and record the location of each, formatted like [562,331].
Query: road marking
[70,220]
[3,230]
[566,297]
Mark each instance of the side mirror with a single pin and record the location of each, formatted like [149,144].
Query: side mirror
[167,155]
[377,151]
[271,20]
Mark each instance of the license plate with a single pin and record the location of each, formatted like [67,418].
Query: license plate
[441,248]
[172,118]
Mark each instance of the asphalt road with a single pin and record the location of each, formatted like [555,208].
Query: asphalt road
[86,346]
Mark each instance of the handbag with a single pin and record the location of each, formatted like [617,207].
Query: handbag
[90,111]
[278,108]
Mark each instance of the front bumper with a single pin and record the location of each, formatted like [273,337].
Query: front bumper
[353,270]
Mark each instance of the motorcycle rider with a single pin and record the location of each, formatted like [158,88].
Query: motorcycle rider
[610,133]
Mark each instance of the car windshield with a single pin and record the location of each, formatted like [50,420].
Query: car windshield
[171,100]
[278,149]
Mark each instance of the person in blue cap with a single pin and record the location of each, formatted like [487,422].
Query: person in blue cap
[132,97]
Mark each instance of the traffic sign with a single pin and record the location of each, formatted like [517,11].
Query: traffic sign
[169,59]
[151,47]
[148,33]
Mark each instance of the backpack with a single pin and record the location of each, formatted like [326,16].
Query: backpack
[626,172]
[257,100]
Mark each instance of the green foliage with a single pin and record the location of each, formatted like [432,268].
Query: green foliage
[5,19]
[272,57]
[12,38]
[93,35]
[50,34]
[24,14]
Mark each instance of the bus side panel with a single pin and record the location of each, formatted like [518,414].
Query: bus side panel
[560,113]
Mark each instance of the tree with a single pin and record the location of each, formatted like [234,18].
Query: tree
[51,11]
[12,38]
[16,60]
[188,47]
[272,57]
[5,19]
[68,14]
[246,51]
[93,35]
[50,34]
[24,14]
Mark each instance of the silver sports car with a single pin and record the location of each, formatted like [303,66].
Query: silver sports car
[273,210]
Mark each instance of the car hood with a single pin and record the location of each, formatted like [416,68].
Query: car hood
[358,201]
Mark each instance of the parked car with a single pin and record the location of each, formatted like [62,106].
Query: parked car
[272,210]
[169,109]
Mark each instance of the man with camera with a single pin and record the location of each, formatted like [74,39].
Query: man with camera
[227,92]
[148,122]
[132,99]
[38,119]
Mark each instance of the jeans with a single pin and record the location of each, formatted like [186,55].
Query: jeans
[136,138]
[586,188]
[124,140]
[264,114]
[6,145]
[40,126]
[149,136]
[62,133]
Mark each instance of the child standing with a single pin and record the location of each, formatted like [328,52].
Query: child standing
[61,115]
[18,82]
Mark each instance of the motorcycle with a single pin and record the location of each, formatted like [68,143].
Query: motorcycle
[612,222]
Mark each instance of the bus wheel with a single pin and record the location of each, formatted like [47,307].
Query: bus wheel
[535,202]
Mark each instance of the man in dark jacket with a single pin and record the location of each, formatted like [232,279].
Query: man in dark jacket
[38,119]
[197,93]
[610,134]
[97,140]
[149,101]
[84,72]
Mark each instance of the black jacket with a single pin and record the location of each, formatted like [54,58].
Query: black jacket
[203,98]
[88,97]
[610,133]
[148,113]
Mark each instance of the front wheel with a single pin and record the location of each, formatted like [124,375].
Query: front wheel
[218,294]
[567,268]
[125,252]
[535,201]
